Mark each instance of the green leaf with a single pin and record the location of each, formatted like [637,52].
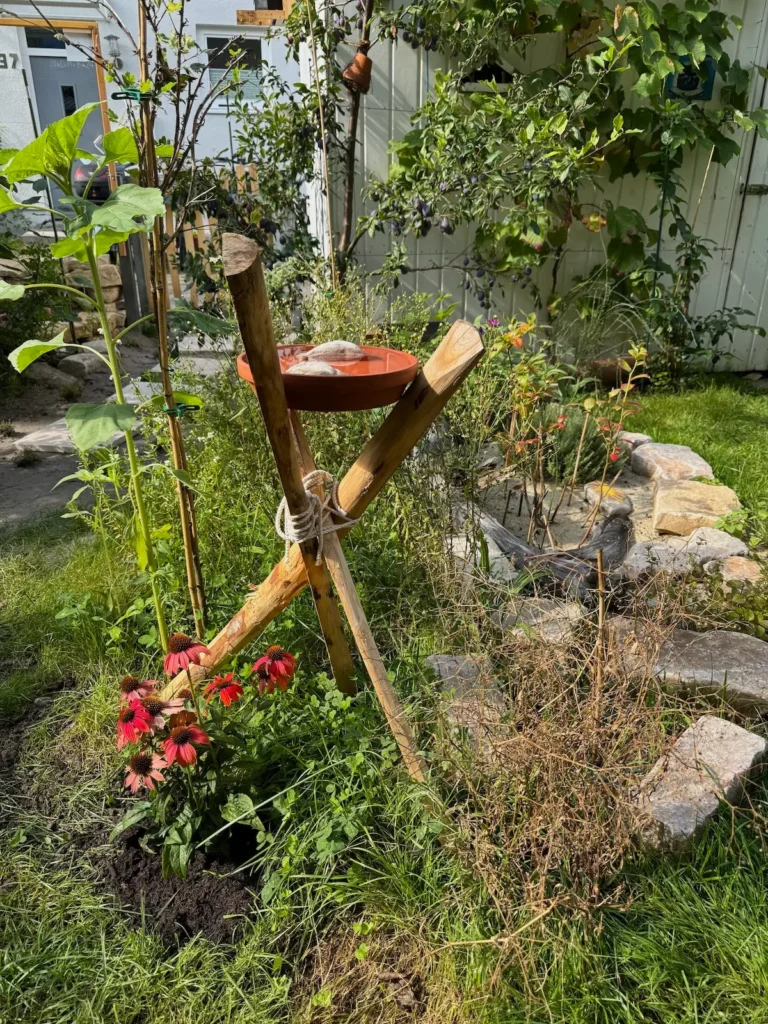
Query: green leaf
[90,425]
[130,208]
[239,807]
[184,317]
[27,353]
[647,85]
[7,202]
[53,151]
[69,247]
[120,146]
[629,23]
[10,292]
[664,66]
[698,8]
[164,152]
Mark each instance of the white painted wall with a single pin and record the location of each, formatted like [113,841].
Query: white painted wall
[401,79]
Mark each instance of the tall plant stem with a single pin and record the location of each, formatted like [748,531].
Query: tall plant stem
[578,456]
[321,116]
[133,461]
[160,300]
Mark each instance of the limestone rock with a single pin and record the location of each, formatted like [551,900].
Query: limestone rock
[708,763]
[81,365]
[755,375]
[716,663]
[679,555]
[667,462]
[631,440]
[682,507]
[14,272]
[615,502]
[112,295]
[80,276]
[467,557]
[546,617]
[51,377]
[473,697]
[736,569]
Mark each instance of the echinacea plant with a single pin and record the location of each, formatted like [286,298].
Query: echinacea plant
[193,753]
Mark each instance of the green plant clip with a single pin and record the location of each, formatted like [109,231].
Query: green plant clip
[179,409]
[133,94]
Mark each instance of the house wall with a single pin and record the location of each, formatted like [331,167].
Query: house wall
[401,79]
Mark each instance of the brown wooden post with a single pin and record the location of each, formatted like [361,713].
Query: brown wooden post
[242,268]
[444,372]
[361,630]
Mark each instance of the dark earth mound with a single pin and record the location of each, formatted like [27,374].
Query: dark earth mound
[205,902]
[31,713]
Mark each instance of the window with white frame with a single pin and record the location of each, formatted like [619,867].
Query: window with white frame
[220,50]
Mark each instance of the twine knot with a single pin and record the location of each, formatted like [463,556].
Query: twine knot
[317,518]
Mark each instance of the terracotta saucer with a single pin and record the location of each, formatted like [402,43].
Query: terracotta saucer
[377,379]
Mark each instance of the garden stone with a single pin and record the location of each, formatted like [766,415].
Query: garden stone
[82,364]
[719,663]
[466,554]
[669,462]
[682,507]
[631,440]
[736,569]
[51,377]
[490,456]
[614,501]
[755,375]
[546,617]
[473,697]
[679,555]
[709,763]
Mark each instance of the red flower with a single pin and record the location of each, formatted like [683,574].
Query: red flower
[132,689]
[227,687]
[277,666]
[178,746]
[159,709]
[614,455]
[142,768]
[131,722]
[183,651]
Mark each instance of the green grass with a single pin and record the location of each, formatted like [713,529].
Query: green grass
[665,941]
[725,420]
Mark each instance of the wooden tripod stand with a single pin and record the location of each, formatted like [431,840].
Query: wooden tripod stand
[406,424]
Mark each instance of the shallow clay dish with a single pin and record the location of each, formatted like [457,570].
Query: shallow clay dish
[378,378]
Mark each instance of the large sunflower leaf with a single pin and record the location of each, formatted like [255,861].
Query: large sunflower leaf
[130,208]
[90,425]
[120,145]
[52,152]
[31,350]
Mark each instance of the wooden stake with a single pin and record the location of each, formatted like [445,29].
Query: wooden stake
[447,368]
[242,268]
[159,295]
[366,644]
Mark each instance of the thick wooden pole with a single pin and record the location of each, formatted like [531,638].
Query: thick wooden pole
[447,368]
[242,268]
[366,644]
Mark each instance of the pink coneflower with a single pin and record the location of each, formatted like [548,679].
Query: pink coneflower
[132,689]
[227,687]
[159,710]
[266,682]
[279,666]
[132,721]
[142,768]
[183,651]
[179,745]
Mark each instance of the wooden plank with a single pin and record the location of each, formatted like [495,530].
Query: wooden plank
[447,368]
[242,267]
[190,244]
[253,174]
[240,176]
[260,17]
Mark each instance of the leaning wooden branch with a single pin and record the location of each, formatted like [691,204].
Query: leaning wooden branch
[409,420]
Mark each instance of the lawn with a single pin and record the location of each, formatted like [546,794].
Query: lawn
[360,914]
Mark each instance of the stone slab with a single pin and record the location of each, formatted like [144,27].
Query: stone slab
[203,364]
[679,555]
[718,663]
[81,364]
[136,392]
[546,617]
[614,501]
[682,507]
[51,377]
[633,440]
[736,570]
[708,764]
[473,697]
[669,462]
